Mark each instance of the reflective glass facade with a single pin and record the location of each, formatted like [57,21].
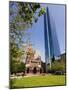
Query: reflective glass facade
[51,40]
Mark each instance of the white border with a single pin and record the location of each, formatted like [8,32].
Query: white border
[4,43]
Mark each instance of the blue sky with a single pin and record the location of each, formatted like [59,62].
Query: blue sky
[37,30]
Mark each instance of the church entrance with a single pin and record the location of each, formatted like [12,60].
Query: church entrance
[34,70]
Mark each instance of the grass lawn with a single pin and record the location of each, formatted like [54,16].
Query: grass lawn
[38,81]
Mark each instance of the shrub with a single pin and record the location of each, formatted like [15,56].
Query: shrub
[17,66]
[57,68]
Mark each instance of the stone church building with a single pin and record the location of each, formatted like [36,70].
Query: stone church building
[33,62]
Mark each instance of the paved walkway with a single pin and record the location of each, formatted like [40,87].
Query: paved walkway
[28,75]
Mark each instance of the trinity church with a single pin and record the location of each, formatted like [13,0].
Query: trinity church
[33,62]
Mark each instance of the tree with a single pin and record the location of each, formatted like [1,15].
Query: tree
[58,66]
[17,66]
[53,59]
[21,17]
[21,67]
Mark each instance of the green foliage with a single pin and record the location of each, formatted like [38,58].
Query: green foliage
[58,66]
[28,10]
[21,17]
[15,59]
[15,52]
[17,66]
[23,14]
[42,11]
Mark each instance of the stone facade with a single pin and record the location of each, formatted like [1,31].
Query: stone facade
[33,62]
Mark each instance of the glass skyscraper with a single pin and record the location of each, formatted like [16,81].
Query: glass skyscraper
[51,41]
